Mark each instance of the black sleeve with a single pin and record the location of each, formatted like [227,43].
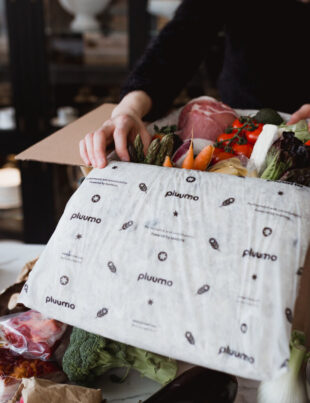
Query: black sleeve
[171,60]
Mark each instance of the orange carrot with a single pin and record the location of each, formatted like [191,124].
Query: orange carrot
[203,159]
[188,162]
[167,162]
[158,136]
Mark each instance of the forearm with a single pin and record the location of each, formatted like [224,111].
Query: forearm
[135,103]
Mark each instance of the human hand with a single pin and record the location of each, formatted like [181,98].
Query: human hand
[302,113]
[120,128]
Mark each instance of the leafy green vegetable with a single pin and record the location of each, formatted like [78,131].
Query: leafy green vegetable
[298,175]
[165,129]
[286,153]
[89,355]
[300,129]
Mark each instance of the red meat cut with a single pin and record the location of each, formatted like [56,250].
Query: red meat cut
[206,117]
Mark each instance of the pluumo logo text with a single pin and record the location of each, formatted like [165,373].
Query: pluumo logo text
[60,303]
[162,281]
[79,216]
[173,193]
[259,255]
[241,356]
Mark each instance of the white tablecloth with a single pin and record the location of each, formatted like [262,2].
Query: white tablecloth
[13,256]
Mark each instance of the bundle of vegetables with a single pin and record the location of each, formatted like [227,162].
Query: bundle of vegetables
[162,147]
[90,355]
[182,151]
[163,144]
[286,153]
[290,387]
[276,150]
[202,159]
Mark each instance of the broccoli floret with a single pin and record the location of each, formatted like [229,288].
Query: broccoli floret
[90,355]
[87,357]
[153,366]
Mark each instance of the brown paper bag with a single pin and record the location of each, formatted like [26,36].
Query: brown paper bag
[36,390]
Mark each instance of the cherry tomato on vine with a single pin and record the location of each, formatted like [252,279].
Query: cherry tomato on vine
[225,137]
[252,136]
[219,155]
[243,149]
[236,124]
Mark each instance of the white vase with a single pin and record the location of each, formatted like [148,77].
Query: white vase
[163,8]
[84,12]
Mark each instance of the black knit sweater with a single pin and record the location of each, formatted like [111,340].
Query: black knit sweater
[266,54]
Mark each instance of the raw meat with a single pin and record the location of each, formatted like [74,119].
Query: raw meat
[31,334]
[206,117]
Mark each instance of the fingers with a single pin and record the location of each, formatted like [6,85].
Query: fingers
[120,140]
[302,113]
[102,138]
[90,149]
[93,146]
[125,126]
[99,148]
[83,152]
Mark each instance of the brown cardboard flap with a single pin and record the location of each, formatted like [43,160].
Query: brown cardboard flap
[62,147]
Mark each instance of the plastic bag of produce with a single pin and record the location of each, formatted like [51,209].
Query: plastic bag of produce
[30,334]
[200,267]
[14,367]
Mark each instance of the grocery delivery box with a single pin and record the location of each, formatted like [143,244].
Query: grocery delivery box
[201,267]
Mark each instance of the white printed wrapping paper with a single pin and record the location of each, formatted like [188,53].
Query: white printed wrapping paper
[198,266]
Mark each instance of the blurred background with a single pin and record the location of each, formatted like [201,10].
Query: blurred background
[60,59]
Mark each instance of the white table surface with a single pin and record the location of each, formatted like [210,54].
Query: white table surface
[14,255]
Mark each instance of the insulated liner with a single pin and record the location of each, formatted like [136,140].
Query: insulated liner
[198,266]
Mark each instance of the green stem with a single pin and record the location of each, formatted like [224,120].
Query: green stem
[296,359]
[227,143]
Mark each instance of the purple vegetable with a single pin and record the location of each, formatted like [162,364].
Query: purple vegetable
[180,153]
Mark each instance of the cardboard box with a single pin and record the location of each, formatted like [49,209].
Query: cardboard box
[62,147]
